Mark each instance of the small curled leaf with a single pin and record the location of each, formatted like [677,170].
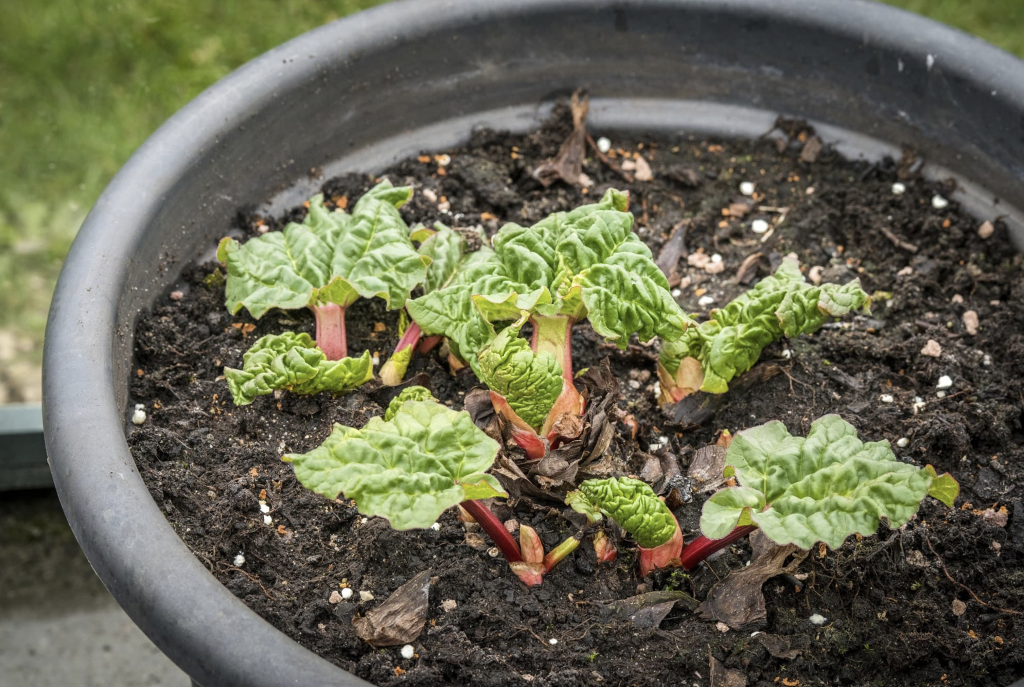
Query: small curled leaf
[410,393]
[629,502]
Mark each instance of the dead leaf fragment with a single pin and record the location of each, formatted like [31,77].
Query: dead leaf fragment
[778,646]
[725,677]
[401,618]
[737,600]
[706,468]
[567,165]
[646,611]
[811,150]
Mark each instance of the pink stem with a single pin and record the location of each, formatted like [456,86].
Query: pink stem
[330,330]
[494,528]
[410,338]
[702,547]
[554,335]
[429,343]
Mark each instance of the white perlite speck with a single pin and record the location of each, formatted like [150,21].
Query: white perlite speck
[552,641]
[267,520]
[264,508]
[139,416]
[886,398]
[944,382]
[603,144]
[676,293]
[817,619]
[239,560]
[346,593]
[938,202]
[759,226]
[436,527]
[705,300]
[902,442]
[715,257]
[747,188]
[899,189]
[633,384]
[408,651]
[365,596]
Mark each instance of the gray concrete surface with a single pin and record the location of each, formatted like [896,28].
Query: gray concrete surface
[58,625]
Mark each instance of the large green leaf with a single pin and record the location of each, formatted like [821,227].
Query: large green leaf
[586,263]
[292,362]
[530,382]
[408,469]
[629,502]
[732,340]
[332,257]
[824,487]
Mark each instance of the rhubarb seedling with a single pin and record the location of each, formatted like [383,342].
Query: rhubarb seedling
[571,266]
[411,466]
[450,264]
[638,510]
[708,357]
[327,263]
[821,488]
[292,362]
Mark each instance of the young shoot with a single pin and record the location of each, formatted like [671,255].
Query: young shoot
[708,357]
[410,466]
[571,266]
[638,510]
[326,263]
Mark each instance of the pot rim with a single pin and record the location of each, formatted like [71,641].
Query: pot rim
[194,619]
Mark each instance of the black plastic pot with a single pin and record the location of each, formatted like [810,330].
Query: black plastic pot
[415,75]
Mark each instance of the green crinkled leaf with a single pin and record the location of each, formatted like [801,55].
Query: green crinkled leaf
[731,342]
[629,502]
[586,263]
[824,487]
[292,362]
[408,469]
[409,393]
[530,382]
[332,257]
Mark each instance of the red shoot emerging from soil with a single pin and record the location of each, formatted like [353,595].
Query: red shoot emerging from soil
[664,556]
[330,330]
[394,369]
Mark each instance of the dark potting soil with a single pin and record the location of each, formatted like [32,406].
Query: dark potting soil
[937,602]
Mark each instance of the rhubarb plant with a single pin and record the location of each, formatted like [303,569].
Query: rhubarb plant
[292,362]
[328,262]
[410,466]
[638,510]
[450,264]
[584,264]
[708,357]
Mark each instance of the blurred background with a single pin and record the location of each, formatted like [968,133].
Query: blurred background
[82,84]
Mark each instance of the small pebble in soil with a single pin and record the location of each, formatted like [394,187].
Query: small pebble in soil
[346,593]
[902,442]
[267,520]
[264,508]
[938,202]
[944,382]
[759,226]
[408,651]
[817,619]
[932,349]
[986,230]
[918,404]
[957,298]
[449,605]
[603,144]
[899,188]
[886,398]
[429,195]
[633,384]
[493,552]
[436,527]
[722,627]
[676,293]
[444,206]
[705,300]
[334,598]
[177,295]
[552,641]
[239,561]
[139,416]
[810,191]
[970,318]
[365,596]
[747,188]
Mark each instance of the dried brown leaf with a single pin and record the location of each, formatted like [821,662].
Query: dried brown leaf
[401,618]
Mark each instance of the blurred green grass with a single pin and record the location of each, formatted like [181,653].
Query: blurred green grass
[84,82]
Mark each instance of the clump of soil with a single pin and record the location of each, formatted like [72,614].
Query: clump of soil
[937,602]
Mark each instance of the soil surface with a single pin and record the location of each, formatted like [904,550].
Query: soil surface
[938,602]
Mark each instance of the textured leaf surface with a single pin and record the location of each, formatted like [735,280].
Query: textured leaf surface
[331,257]
[530,382]
[631,503]
[732,340]
[409,393]
[408,469]
[292,362]
[824,487]
[586,263]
